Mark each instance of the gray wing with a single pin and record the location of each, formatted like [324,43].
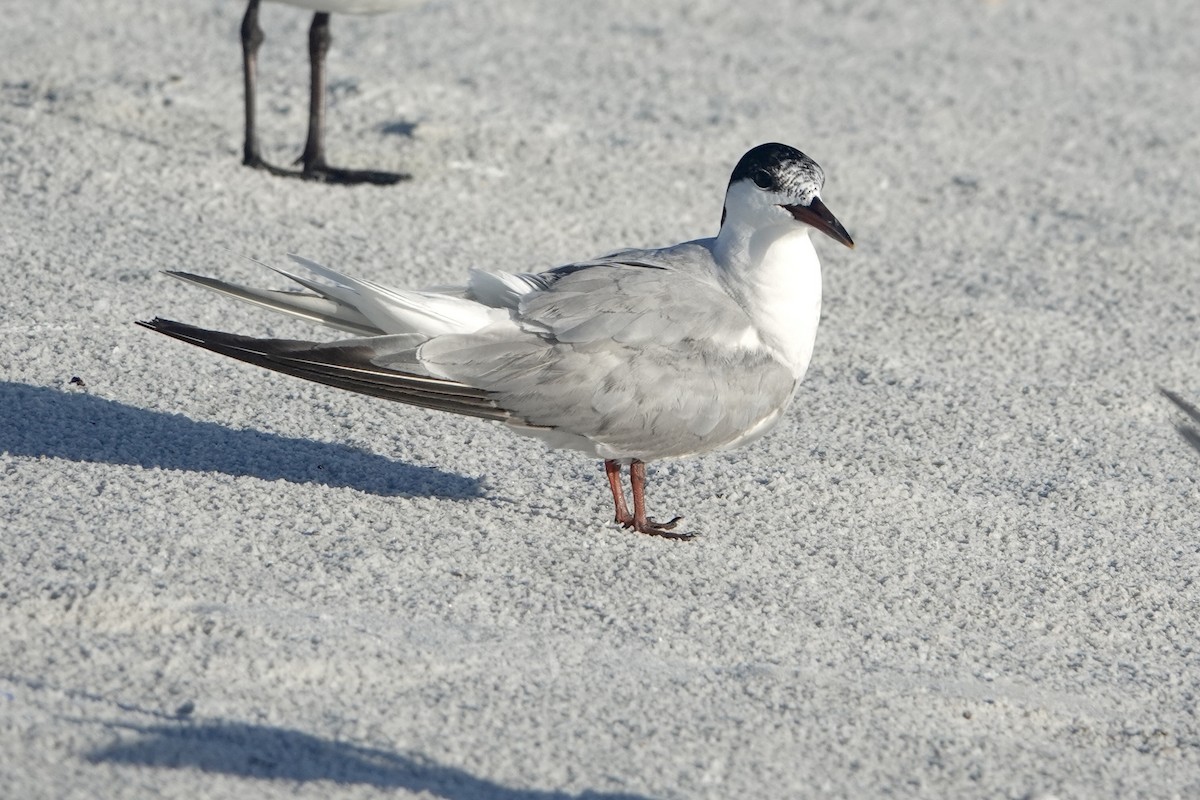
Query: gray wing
[635,297]
[627,357]
[646,360]
[348,364]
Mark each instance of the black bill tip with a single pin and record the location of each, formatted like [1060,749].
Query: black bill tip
[819,217]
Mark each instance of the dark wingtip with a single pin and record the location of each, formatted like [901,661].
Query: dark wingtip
[177,330]
[1182,404]
[156,324]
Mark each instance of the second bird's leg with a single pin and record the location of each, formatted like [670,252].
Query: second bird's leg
[319,39]
[252,39]
[313,159]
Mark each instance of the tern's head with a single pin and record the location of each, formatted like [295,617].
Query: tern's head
[775,184]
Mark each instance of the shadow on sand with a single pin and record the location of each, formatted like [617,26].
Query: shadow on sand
[1191,435]
[267,753]
[38,421]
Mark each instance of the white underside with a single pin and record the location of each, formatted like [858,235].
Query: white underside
[558,439]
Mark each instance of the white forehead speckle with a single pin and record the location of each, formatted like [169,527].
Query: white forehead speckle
[794,173]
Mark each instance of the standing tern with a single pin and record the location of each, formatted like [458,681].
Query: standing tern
[314,166]
[636,356]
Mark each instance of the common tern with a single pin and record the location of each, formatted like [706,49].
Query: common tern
[636,356]
[312,161]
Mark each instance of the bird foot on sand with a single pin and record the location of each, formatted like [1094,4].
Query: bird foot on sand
[324,173]
[351,177]
[651,528]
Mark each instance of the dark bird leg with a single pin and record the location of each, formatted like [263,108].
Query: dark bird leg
[638,520]
[252,39]
[313,159]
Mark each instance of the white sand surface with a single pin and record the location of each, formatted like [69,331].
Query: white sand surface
[966,565]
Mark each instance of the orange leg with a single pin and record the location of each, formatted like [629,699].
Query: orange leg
[613,470]
[638,520]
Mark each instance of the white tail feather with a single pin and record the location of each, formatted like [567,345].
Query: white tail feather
[429,313]
[502,289]
[320,309]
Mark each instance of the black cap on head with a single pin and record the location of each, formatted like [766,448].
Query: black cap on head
[781,168]
[794,178]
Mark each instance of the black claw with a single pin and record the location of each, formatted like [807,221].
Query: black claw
[332,175]
[662,529]
[257,162]
[666,533]
[350,177]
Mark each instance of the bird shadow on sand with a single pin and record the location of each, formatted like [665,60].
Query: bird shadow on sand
[400,127]
[269,753]
[1190,434]
[43,422]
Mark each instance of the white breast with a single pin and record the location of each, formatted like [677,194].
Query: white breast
[776,276]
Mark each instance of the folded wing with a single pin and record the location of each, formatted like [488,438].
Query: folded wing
[638,355]
[346,365]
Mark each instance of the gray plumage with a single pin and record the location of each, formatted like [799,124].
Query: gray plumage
[636,356]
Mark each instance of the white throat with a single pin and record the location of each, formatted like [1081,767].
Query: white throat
[774,273]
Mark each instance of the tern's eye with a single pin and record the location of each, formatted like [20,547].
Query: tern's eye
[763,180]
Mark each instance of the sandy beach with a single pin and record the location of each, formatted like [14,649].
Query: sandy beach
[966,564]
